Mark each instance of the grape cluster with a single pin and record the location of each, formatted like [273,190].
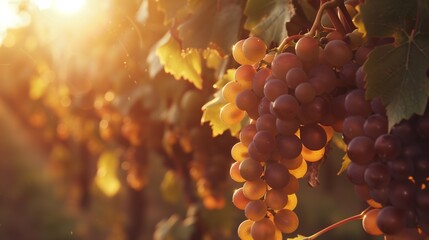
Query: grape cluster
[390,169]
[294,101]
[192,149]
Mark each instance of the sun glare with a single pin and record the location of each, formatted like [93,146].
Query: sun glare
[63,6]
[69,6]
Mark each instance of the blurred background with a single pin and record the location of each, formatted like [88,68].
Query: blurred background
[97,141]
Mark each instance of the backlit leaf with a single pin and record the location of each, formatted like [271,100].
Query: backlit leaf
[398,74]
[181,63]
[212,24]
[267,18]
[382,18]
[211,114]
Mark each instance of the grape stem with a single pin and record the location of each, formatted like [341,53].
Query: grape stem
[339,223]
[285,43]
[317,21]
[349,22]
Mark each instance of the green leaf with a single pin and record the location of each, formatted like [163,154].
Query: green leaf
[211,114]
[382,18]
[211,23]
[299,237]
[267,18]
[398,74]
[181,63]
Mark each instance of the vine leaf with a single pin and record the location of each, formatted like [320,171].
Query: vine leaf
[382,18]
[181,63]
[212,24]
[267,19]
[398,74]
[211,114]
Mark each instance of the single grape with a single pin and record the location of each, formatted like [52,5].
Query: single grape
[239,152]
[255,210]
[231,90]
[391,220]
[400,168]
[289,146]
[369,222]
[239,200]
[402,194]
[375,125]
[314,111]
[305,92]
[263,229]
[377,175]
[286,220]
[246,100]
[259,80]
[234,172]
[361,150]
[313,136]
[244,230]
[274,88]
[264,141]
[276,175]
[356,104]
[250,169]
[254,49]
[267,122]
[283,62]
[276,199]
[230,114]
[244,76]
[353,126]
[307,49]
[355,173]
[387,146]
[295,76]
[338,53]
[247,133]
[287,127]
[254,190]
[285,107]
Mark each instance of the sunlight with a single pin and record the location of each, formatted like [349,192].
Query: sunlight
[69,6]
[63,6]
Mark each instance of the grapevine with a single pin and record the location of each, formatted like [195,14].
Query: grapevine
[208,119]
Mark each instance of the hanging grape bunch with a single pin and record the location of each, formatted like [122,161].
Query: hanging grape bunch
[296,96]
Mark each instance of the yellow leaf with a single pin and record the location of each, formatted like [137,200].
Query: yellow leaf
[227,77]
[106,178]
[357,20]
[211,114]
[181,63]
[213,58]
[345,163]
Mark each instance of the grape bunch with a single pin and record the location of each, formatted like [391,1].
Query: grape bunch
[389,169]
[294,100]
[193,151]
